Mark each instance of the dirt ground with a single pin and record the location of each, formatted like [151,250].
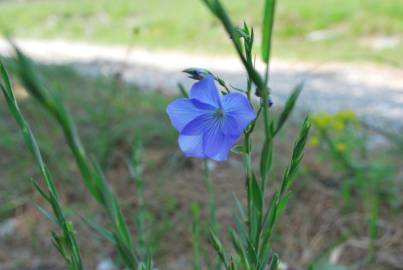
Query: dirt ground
[312,223]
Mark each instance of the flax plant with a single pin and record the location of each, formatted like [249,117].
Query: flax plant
[92,175]
[65,241]
[252,238]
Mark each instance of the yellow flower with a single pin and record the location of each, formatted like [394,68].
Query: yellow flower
[341,146]
[347,115]
[338,125]
[322,120]
[314,141]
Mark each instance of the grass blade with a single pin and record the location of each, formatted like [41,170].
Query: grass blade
[267,28]
[65,242]
[92,175]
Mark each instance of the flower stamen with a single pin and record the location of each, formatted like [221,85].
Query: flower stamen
[219,114]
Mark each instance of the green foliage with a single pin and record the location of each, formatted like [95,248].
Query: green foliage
[185,25]
[128,104]
[288,107]
[218,10]
[343,140]
[147,238]
[135,169]
[267,28]
[252,241]
[91,172]
[182,90]
[217,245]
[65,243]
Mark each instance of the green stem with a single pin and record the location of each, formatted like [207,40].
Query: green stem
[196,243]
[247,157]
[141,215]
[268,137]
[211,201]
[248,169]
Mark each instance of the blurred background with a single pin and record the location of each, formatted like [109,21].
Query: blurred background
[117,65]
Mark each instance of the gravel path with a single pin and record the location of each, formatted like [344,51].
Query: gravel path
[375,93]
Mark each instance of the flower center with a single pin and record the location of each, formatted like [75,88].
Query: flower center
[219,114]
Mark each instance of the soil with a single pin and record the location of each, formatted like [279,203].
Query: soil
[312,223]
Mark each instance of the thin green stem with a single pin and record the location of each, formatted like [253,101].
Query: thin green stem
[196,243]
[141,216]
[268,136]
[212,208]
[211,201]
[248,168]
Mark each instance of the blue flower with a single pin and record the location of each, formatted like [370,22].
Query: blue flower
[209,124]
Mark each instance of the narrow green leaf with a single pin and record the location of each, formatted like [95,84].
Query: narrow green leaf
[48,215]
[238,149]
[275,262]
[41,191]
[282,204]
[288,107]
[232,264]
[267,28]
[182,90]
[5,78]
[257,195]
[236,242]
[253,258]
[266,159]
[240,207]
[99,229]
[297,156]
[218,248]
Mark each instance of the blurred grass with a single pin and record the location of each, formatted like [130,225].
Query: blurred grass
[106,112]
[346,27]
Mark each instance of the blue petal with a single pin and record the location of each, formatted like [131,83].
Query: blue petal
[199,125]
[202,106]
[192,146]
[270,101]
[225,149]
[230,127]
[183,110]
[239,108]
[206,92]
[213,140]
